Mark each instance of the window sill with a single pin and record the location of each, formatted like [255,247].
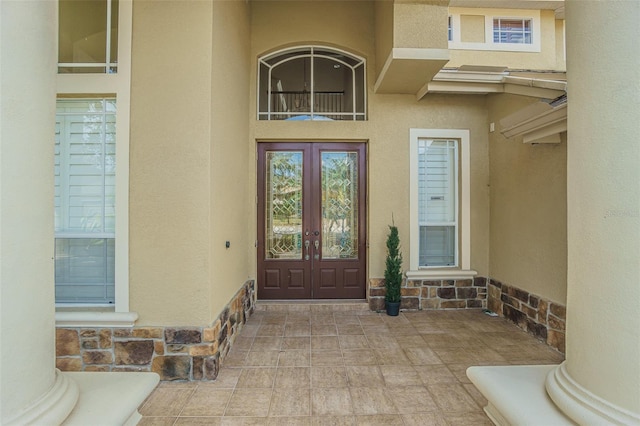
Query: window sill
[496,47]
[96,319]
[434,274]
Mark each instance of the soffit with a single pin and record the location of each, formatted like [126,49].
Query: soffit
[555,5]
[407,69]
[541,122]
[478,80]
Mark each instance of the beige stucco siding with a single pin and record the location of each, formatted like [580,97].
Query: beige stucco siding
[472,28]
[170,166]
[387,128]
[383,14]
[528,208]
[285,23]
[420,25]
[193,143]
[232,185]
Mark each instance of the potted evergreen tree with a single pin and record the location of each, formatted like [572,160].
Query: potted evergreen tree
[393,272]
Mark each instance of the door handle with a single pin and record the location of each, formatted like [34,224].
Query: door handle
[306,246]
[316,244]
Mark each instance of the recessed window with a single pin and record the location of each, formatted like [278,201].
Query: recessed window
[85,152]
[450,29]
[512,31]
[311,83]
[88,36]
[438,201]
[439,195]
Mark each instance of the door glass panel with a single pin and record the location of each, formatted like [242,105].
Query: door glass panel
[283,227]
[339,186]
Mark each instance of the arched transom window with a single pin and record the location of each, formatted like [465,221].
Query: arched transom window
[311,83]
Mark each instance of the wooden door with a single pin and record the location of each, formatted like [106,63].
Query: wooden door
[311,220]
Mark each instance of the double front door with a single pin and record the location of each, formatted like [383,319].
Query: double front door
[311,220]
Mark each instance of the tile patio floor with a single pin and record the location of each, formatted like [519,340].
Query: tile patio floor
[298,365]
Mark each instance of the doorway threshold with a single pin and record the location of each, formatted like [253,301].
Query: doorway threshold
[315,305]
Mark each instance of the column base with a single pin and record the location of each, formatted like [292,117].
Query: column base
[581,405]
[110,398]
[53,407]
[516,395]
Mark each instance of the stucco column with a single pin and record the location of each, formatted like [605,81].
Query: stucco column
[32,390]
[599,381]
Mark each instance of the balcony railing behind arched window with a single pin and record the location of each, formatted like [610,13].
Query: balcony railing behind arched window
[311,83]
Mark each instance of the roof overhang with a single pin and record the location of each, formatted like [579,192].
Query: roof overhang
[485,80]
[406,69]
[541,122]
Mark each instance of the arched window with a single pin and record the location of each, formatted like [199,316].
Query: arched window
[311,83]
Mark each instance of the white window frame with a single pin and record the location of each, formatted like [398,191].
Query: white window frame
[262,60]
[463,254]
[105,85]
[108,65]
[489,16]
[519,19]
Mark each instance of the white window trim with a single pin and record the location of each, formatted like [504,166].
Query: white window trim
[363,63]
[464,249]
[533,15]
[119,84]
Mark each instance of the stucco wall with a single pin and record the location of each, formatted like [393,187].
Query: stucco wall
[528,208]
[387,128]
[232,185]
[420,25]
[189,187]
[383,13]
[170,168]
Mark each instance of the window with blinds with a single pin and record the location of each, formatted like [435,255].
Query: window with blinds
[437,202]
[85,148]
[512,30]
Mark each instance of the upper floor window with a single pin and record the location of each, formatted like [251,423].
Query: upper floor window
[311,83]
[509,30]
[88,36]
[450,29]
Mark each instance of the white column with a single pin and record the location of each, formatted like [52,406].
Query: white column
[31,389]
[599,381]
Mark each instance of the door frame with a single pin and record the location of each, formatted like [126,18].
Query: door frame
[361,146]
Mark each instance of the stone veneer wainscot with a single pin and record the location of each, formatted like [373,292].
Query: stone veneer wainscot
[541,317]
[175,353]
[538,316]
[432,294]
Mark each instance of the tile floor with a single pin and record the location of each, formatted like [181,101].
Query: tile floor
[350,367]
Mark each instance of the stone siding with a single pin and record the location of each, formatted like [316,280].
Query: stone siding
[432,294]
[175,353]
[541,317]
